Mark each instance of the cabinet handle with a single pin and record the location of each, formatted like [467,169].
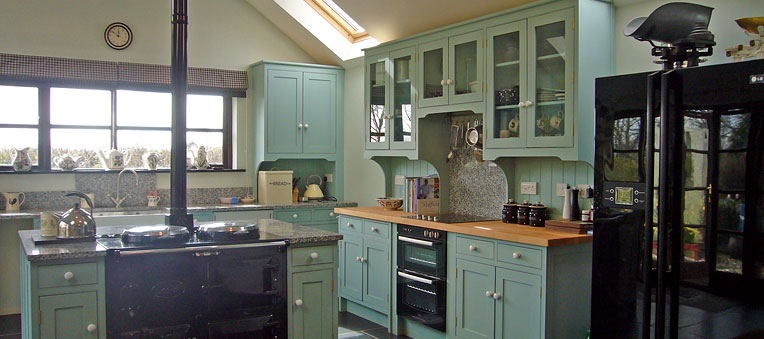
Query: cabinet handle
[91,328]
[294,216]
[489,294]
[374,229]
[306,126]
[357,258]
[449,82]
[520,104]
[473,248]
[364,259]
[443,82]
[528,103]
[350,225]
[517,255]
[314,255]
[299,126]
[298,302]
[68,275]
[331,214]
[497,296]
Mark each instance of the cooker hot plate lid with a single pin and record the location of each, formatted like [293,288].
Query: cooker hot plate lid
[155,234]
[228,230]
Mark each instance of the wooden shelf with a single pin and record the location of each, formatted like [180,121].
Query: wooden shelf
[508,63]
[551,56]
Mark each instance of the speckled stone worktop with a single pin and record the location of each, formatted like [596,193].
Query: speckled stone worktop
[275,229]
[31,214]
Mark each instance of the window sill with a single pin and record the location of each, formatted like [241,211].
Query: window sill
[139,170]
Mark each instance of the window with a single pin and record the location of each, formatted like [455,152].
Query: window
[81,121]
[339,19]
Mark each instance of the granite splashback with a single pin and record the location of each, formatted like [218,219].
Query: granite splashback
[478,188]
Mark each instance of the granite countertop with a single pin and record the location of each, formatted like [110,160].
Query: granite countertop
[31,214]
[293,233]
[498,230]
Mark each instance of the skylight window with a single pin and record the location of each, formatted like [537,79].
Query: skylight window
[339,19]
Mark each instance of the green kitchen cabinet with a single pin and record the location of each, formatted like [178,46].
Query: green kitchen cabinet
[312,293]
[203,216]
[72,315]
[351,267]
[321,218]
[451,69]
[376,272]
[474,298]
[518,307]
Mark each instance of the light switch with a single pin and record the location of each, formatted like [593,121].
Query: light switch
[329,177]
[400,180]
[528,188]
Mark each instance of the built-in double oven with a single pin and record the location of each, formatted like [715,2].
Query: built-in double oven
[421,275]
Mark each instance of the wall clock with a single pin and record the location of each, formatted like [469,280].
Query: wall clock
[118,36]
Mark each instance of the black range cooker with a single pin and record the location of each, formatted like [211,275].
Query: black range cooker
[227,280]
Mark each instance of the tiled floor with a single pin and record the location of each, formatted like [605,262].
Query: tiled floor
[350,326]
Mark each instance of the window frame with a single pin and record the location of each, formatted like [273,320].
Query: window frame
[338,21]
[44,125]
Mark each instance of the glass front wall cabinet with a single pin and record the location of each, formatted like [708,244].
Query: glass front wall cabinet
[550,80]
[507,83]
[403,121]
[378,112]
[465,64]
[433,73]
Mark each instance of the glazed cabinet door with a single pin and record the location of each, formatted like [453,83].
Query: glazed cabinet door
[474,299]
[376,273]
[284,107]
[351,267]
[432,73]
[549,101]
[518,304]
[507,83]
[69,316]
[312,304]
[465,68]
[403,121]
[378,114]
[319,114]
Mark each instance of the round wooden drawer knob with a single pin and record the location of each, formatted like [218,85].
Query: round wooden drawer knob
[68,275]
[294,216]
[314,255]
[374,229]
[91,328]
[473,248]
[517,255]
[489,294]
[298,302]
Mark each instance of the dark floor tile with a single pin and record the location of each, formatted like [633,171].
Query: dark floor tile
[351,322]
[10,324]
[381,333]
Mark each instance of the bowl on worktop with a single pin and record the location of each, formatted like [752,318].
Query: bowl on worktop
[390,203]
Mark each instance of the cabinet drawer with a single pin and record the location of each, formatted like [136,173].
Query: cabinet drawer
[303,256]
[376,228]
[324,214]
[56,275]
[519,255]
[474,247]
[299,215]
[350,224]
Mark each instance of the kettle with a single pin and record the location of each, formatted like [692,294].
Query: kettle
[313,191]
[76,223]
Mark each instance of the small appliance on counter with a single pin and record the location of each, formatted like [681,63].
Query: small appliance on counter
[274,187]
[313,191]
[421,275]
[75,224]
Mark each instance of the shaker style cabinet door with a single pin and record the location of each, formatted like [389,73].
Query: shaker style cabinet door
[376,272]
[351,267]
[319,115]
[518,304]
[284,107]
[507,80]
[474,299]
[312,304]
[69,316]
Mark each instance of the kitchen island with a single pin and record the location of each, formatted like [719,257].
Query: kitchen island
[63,286]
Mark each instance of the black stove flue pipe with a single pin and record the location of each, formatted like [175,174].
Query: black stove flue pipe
[179,72]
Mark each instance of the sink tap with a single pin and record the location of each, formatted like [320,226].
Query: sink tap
[118,201]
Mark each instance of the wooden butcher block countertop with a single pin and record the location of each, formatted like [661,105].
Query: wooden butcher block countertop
[488,229]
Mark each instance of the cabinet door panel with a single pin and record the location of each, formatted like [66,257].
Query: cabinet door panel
[518,311]
[377,105]
[473,308]
[376,271]
[550,80]
[284,112]
[319,114]
[69,315]
[403,121]
[313,317]
[465,64]
[432,73]
[507,80]
[351,269]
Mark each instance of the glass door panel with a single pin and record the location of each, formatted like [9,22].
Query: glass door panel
[404,119]
[432,73]
[550,100]
[377,114]
[465,78]
[506,85]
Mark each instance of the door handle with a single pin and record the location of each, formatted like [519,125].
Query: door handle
[415,241]
[415,278]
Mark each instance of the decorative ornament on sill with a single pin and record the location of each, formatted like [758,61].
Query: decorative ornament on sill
[67,162]
[198,157]
[150,160]
[21,161]
[113,160]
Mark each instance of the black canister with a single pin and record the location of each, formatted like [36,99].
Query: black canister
[523,210]
[509,212]
[537,215]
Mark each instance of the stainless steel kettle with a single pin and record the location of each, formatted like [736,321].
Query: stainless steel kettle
[76,222]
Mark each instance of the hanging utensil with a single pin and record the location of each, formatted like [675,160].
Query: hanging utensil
[474,135]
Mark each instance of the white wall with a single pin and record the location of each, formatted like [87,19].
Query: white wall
[227,34]
[634,56]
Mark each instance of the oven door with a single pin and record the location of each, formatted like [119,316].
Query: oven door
[422,299]
[425,256]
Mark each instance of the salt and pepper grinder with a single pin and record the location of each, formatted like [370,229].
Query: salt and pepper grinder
[575,209]
[566,209]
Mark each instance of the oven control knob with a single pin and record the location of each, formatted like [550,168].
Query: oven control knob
[489,294]
[517,255]
[68,275]
[298,302]
[497,296]
[91,328]
[473,248]
[373,229]
[314,255]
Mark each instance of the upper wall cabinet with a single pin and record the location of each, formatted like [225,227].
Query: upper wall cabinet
[451,70]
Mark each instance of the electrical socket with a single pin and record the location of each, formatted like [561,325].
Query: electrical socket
[400,180]
[561,189]
[528,188]
[329,177]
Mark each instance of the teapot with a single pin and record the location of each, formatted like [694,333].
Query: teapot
[66,162]
[13,200]
[198,156]
[76,222]
[313,191]
[113,159]
[150,160]
[21,161]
